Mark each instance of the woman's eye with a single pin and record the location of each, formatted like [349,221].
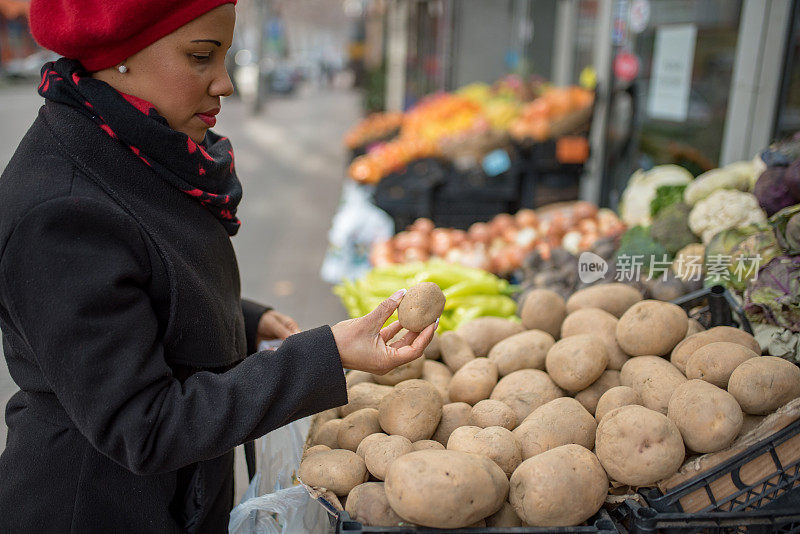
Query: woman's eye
[201,58]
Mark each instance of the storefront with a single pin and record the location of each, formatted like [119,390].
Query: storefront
[696,83]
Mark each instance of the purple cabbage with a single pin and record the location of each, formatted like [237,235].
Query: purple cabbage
[774,297]
[772,191]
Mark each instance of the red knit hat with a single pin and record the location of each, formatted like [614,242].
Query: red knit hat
[102,33]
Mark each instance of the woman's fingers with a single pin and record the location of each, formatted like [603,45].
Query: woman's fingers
[377,317]
[390,331]
[407,339]
[413,351]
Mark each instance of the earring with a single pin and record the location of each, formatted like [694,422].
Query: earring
[122,69]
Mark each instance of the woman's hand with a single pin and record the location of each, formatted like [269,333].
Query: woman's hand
[362,343]
[274,325]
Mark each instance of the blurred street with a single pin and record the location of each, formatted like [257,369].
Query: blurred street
[291,162]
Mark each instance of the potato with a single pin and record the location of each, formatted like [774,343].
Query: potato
[362,447]
[439,375]
[525,390]
[357,426]
[413,409]
[615,298]
[313,450]
[735,335]
[614,398]
[681,353]
[328,434]
[600,323]
[338,470]
[474,381]
[367,504]
[589,396]
[559,422]
[454,415]
[526,350]
[638,446]
[363,395]
[445,489]
[427,444]
[544,310]
[651,327]
[354,377]
[331,497]
[421,306]
[455,350]
[407,371]
[490,412]
[434,350]
[496,443]
[562,487]
[764,384]
[576,362]
[694,327]
[653,378]
[483,333]
[506,517]
[715,362]
[380,454]
[709,418]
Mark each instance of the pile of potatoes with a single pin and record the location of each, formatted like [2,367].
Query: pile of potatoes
[504,424]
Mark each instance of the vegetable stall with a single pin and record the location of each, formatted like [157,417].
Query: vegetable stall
[555,395]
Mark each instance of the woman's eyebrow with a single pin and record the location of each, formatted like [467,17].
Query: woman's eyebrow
[207,41]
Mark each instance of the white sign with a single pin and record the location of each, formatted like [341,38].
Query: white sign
[640,15]
[671,78]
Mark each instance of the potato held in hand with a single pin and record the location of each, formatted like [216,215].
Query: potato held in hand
[421,306]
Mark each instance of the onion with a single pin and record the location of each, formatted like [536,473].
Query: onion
[479,232]
[458,237]
[527,218]
[441,242]
[587,226]
[417,239]
[415,254]
[584,210]
[526,238]
[571,241]
[402,241]
[510,235]
[544,251]
[423,225]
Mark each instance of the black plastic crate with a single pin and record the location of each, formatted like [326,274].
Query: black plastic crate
[600,524]
[541,189]
[475,184]
[409,194]
[453,214]
[779,487]
[636,519]
[716,307]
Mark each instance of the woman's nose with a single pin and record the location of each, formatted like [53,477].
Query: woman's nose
[222,84]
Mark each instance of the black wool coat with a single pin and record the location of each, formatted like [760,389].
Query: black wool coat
[124,328]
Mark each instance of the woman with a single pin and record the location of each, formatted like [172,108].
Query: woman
[119,290]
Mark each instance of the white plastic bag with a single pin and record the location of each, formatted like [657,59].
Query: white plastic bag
[356,226]
[275,502]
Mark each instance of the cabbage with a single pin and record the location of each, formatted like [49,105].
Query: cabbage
[748,242]
[772,191]
[774,297]
[787,228]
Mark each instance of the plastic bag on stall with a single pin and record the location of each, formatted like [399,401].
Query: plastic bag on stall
[356,226]
[275,502]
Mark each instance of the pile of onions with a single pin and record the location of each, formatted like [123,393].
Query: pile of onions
[500,245]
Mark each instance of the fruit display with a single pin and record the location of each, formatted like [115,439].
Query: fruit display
[555,113]
[502,424]
[470,292]
[501,245]
[374,127]
[474,119]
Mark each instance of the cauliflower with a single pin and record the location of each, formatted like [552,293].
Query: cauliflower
[724,209]
[641,190]
[737,175]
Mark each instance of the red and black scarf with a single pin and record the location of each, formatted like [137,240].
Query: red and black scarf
[204,170]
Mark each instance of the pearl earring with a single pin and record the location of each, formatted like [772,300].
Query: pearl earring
[122,69]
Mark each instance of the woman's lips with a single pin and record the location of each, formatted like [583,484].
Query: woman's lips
[211,120]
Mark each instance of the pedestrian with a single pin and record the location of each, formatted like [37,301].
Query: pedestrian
[120,301]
